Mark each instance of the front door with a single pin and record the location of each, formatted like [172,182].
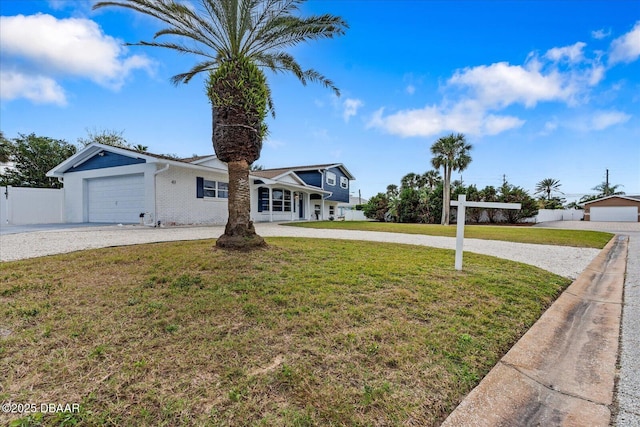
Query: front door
[300,205]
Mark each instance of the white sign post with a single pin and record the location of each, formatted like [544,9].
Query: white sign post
[462,203]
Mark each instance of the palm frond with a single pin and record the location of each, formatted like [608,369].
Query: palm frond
[225,30]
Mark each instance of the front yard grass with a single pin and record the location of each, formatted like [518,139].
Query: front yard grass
[522,234]
[306,332]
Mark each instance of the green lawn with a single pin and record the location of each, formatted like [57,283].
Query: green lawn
[306,332]
[521,234]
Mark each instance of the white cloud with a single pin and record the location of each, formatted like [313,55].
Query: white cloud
[73,47]
[494,125]
[411,89]
[466,117]
[572,54]
[350,108]
[626,48]
[600,34]
[549,127]
[38,89]
[604,119]
[502,84]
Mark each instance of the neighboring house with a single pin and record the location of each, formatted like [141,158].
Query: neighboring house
[347,210]
[116,185]
[613,208]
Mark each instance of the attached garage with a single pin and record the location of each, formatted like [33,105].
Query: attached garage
[115,199]
[614,209]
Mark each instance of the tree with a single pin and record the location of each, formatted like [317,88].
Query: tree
[376,208]
[548,186]
[452,154]
[409,205]
[410,180]
[238,39]
[490,194]
[33,156]
[512,194]
[431,178]
[106,137]
[5,149]
[392,190]
[605,189]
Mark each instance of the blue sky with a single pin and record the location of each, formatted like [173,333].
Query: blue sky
[541,89]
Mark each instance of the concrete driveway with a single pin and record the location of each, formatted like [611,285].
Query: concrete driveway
[628,387]
[30,228]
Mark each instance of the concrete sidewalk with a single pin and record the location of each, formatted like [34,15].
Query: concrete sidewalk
[562,371]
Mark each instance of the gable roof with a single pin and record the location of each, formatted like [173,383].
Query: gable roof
[633,198]
[95,148]
[278,172]
[194,162]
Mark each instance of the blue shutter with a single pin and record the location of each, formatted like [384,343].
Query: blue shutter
[200,187]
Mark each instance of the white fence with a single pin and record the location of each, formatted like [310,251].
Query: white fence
[546,215]
[20,205]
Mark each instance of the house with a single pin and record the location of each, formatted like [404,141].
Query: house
[613,208]
[109,184]
[348,212]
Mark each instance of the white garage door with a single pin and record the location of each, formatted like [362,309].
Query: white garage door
[619,214]
[116,199]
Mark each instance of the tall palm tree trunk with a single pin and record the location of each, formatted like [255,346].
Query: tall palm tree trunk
[238,95]
[446,200]
[239,232]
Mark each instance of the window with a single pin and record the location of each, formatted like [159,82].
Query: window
[344,182]
[211,189]
[223,190]
[332,210]
[263,199]
[280,200]
[331,178]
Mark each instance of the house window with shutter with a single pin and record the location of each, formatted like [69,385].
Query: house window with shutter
[209,189]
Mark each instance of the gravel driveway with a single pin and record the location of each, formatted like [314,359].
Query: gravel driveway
[565,261]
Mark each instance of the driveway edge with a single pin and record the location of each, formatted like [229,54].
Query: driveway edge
[562,371]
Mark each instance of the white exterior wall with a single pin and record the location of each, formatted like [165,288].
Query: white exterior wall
[20,205]
[177,202]
[75,186]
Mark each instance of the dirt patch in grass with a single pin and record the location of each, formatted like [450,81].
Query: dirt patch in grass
[305,332]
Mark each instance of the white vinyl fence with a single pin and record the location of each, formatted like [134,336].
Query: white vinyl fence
[546,215]
[19,205]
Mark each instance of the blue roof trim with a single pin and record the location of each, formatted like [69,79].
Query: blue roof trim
[106,159]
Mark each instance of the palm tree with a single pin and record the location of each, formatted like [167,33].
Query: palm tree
[237,40]
[392,190]
[450,152]
[410,180]
[548,186]
[607,189]
[432,178]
